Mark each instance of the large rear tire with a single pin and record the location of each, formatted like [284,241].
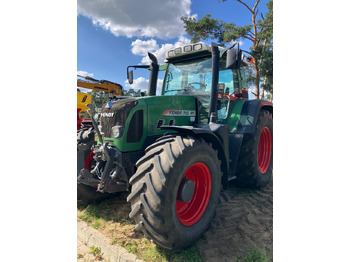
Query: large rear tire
[175,190]
[254,167]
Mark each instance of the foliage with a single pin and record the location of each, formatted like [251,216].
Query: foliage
[96,251]
[205,28]
[134,93]
[259,32]
[98,98]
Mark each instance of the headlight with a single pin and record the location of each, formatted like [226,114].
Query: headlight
[117,131]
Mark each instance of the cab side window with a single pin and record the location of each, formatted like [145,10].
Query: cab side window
[228,82]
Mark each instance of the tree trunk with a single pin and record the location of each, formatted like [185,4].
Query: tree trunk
[263,91]
[257,80]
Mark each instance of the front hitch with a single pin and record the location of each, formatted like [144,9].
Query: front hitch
[108,175]
[113,178]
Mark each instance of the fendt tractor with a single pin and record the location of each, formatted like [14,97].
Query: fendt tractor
[175,152]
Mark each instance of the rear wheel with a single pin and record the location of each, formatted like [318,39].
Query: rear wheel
[175,190]
[254,167]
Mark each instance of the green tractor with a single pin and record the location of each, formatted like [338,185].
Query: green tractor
[177,151]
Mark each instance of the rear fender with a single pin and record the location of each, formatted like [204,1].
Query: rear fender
[249,115]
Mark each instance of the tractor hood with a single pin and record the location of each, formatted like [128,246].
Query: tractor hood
[129,124]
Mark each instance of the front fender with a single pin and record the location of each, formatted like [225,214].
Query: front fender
[215,134]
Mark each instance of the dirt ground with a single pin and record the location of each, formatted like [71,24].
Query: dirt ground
[243,221]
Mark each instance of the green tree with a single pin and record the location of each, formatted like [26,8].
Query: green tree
[98,98]
[133,92]
[259,32]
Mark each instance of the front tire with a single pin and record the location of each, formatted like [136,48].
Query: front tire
[175,190]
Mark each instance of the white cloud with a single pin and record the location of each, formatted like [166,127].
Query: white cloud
[142,83]
[151,18]
[141,48]
[84,73]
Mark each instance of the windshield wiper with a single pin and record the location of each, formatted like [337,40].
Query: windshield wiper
[182,89]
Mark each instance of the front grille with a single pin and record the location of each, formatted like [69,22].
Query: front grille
[135,131]
[160,123]
[115,113]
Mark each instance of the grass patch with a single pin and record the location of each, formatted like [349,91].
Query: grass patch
[255,255]
[96,224]
[96,252]
[151,252]
[146,250]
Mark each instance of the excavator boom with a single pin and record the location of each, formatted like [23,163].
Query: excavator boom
[100,85]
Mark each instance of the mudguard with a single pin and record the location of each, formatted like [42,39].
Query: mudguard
[249,115]
[217,135]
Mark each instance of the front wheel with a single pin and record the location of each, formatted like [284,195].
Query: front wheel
[175,190]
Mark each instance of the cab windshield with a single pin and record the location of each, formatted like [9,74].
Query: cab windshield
[189,78]
[193,77]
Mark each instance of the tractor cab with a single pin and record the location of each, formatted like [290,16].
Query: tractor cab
[189,72]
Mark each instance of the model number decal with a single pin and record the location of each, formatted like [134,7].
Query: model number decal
[179,113]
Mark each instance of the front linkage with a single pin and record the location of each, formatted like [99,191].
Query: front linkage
[108,175]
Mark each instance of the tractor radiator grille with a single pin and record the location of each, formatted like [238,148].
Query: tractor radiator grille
[115,113]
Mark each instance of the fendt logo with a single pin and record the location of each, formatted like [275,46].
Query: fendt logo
[107,114]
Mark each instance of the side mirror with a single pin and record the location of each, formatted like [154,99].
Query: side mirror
[233,58]
[130,76]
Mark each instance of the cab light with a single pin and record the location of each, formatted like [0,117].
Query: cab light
[188,48]
[178,51]
[197,47]
[171,53]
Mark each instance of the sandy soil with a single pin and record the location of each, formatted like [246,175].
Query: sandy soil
[243,221]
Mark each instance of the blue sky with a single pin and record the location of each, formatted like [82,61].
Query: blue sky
[119,33]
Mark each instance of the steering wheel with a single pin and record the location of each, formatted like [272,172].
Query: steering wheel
[201,85]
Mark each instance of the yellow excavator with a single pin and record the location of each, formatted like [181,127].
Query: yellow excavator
[83,100]
[112,88]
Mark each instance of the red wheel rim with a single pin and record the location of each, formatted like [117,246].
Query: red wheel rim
[88,160]
[190,212]
[264,150]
